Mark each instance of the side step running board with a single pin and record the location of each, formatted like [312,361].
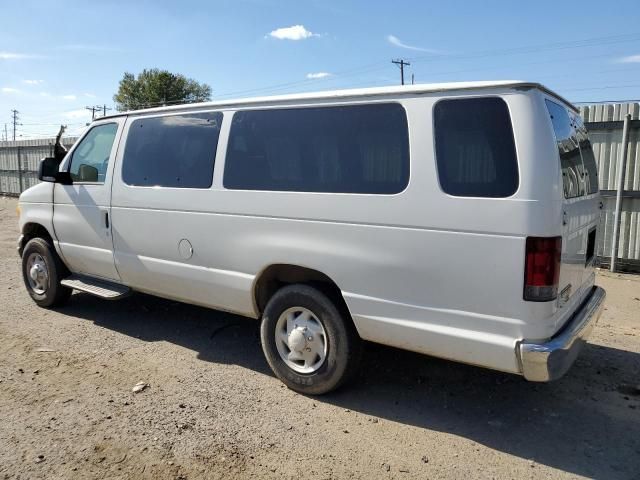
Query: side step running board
[99,288]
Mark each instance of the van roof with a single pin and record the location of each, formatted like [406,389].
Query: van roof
[405,90]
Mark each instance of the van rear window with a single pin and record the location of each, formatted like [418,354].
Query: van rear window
[172,151]
[346,149]
[475,149]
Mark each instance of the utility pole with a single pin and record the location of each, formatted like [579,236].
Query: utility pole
[14,119]
[93,111]
[412,80]
[6,136]
[401,63]
[97,108]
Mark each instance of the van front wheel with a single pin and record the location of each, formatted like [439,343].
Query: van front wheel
[42,271]
[308,343]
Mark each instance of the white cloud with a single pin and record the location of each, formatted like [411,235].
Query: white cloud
[89,95]
[80,114]
[316,75]
[630,59]
[33,82]
[9,90]
[15,56]
[69,97]
[45,94]
[295,32]
[395,41]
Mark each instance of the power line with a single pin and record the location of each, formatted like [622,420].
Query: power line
[55,124]
[364,69]
[541,62]
[589,42]
[338,76]
[632,100]
[355,84]
[369,68]
[602,87]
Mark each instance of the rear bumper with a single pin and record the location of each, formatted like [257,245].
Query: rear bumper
[543,362]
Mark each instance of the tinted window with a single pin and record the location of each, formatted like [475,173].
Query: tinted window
[351,149]
[570,159]
[475,150]
[175,151]
[588,158]
[91,156]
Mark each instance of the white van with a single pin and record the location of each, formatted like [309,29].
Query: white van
[456,220]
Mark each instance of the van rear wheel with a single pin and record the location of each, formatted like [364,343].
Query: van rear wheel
[42,271]
[308,343]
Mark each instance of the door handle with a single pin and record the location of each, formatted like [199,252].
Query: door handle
[600,205]
[564,218]
[106,219]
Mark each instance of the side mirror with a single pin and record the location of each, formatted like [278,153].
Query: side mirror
[48,172]
[48,169]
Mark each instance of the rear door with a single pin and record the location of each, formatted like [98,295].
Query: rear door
[580,197]
[592,200]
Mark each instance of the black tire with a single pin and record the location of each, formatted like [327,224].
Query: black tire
[55,293]
[343,343]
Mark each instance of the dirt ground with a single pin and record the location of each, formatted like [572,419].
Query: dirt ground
[214,410]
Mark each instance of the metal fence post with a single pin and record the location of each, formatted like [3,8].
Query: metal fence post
[620,189]
[20,169]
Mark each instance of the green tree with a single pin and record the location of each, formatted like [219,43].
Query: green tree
[155,87]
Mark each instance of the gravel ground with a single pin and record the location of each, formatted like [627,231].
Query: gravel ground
[214,410]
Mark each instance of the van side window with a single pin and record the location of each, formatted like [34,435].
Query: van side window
[172,151]
[91,157]
[570,159]
[347,149]
[475,149]
[588,158]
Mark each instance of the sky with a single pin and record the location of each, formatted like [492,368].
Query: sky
[59,57]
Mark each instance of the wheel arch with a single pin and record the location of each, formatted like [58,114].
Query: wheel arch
[32,230]
[275,276]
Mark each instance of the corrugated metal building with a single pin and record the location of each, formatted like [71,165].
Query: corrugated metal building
[605,124]
[19,162]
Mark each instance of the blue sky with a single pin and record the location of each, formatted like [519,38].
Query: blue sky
[58,57]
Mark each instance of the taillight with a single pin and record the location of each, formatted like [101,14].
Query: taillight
[542,268]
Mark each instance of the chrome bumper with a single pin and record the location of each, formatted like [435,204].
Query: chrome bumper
[20,245]
[543,362]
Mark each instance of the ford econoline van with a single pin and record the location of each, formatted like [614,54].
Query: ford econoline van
[456,220]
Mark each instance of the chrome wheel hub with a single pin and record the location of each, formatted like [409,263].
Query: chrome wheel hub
[301,340]
[38,274]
